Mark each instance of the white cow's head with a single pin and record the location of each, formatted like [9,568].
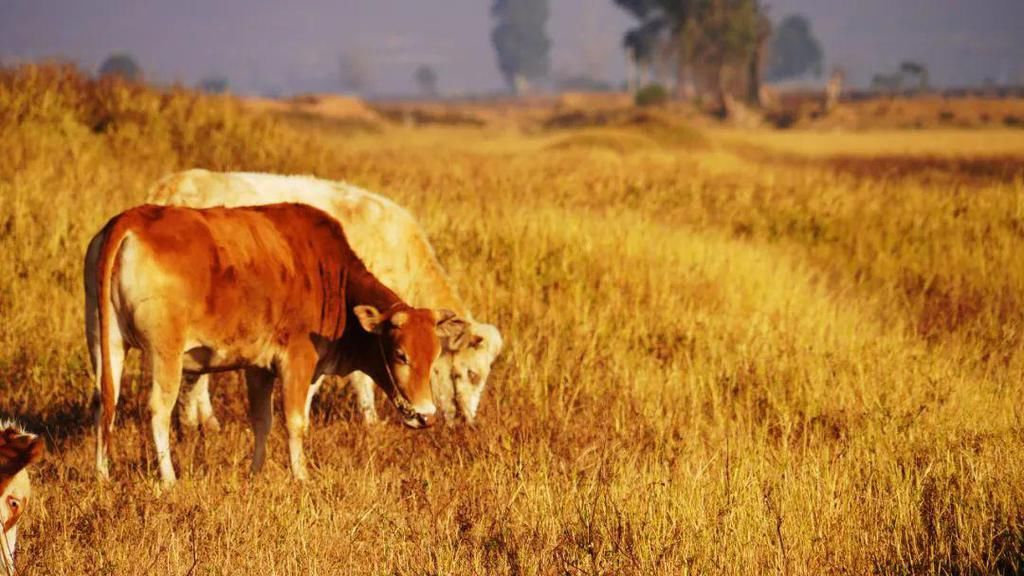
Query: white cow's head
[18,450]
[460,374]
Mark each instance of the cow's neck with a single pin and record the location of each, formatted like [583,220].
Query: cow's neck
[358,349]
[363,289]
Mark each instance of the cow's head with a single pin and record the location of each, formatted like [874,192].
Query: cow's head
[465,365]
[18,450]
[408,341]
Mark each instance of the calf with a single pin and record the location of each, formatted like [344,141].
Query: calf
[274,290]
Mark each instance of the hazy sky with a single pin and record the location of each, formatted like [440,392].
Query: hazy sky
[287,46]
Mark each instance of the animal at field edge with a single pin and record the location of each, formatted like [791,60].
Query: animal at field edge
[18,450]
[274,290]
[394,248]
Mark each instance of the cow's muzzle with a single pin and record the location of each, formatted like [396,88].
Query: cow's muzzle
[412,417]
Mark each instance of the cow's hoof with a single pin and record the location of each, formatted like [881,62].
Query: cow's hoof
[211,424]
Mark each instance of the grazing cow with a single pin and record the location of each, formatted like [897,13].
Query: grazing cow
[394,248]
[274,290]
[18,449]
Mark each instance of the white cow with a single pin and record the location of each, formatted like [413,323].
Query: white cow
[394,248]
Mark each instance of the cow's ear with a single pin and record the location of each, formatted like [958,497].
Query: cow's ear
[36,449]
[369,318]
[18,449]
[450,328]
[398,319]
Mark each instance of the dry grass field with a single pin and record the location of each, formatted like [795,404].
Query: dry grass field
[741,353]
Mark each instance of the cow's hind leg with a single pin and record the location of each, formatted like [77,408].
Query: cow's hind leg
[166,367]
[363,386]
[260,384]
[198,410]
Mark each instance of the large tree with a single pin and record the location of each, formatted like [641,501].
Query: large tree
[642,45]
[712,39]
[793,50]
[520,40]
[725,37]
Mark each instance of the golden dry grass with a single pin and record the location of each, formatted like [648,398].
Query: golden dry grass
[716,362]
[941,142]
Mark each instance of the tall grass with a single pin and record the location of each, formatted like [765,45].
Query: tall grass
[715,362]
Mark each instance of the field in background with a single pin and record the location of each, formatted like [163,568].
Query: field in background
[726,352]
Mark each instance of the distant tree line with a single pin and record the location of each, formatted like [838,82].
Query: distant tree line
[722,49]
[909,77]
[123,65]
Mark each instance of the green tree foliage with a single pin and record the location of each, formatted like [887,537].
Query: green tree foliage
[711,37]
[793,50]
[121,64]
[520,40]
[426,79]
[725,32]
[640,9]
[651,95]
[642,40]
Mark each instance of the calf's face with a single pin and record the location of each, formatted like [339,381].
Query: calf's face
[17,451]
[408,343]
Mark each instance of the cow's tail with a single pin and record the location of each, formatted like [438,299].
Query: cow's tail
[115,235]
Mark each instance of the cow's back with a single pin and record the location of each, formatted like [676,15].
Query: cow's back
[238,273]
[384,235]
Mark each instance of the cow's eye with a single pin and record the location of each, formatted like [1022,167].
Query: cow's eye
[13,503]
[401,357]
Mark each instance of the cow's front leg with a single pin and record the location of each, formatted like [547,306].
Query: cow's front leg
[312,393]
[260,386]
[296,378]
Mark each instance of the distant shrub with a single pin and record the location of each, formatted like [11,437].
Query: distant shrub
[214,84]
[651,95]
[123,65]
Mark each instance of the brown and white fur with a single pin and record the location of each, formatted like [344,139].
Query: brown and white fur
[394,248]
[18,450]
[274,290]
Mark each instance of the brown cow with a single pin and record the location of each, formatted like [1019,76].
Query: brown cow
[273,289]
